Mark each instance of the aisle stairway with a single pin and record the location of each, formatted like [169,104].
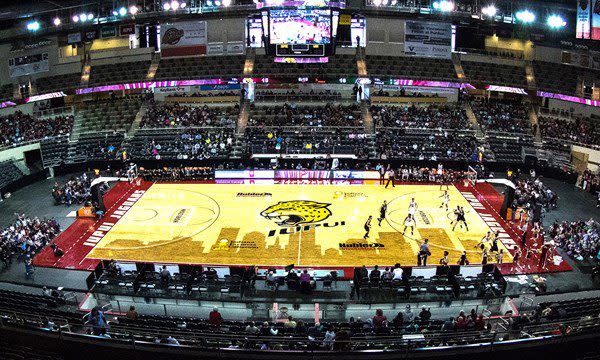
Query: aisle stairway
[135,125]
[153,67]
[473,120]
[460,73]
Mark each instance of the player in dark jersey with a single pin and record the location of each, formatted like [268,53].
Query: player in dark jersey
[382,211]
[368,227]
[460,218]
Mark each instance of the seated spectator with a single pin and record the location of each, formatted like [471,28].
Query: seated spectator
[268,330]
[425,314]
[252,329]
[132,314]
[379,320]
[290,323]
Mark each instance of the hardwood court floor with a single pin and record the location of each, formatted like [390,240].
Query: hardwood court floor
[305,225]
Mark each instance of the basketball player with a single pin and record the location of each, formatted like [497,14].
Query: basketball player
[460,218]
[444,261]
[445,199]
[499,256]
[409,222]
[463,259]
[368,227]
[412,207]
[486,240]
[494,247]
[382,211]
[484,257]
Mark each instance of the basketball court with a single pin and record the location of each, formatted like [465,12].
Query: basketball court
[277,225]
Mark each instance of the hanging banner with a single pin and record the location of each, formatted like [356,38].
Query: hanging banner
[595,20]
[27,65]
[428,39]
[183,38]
[584,14]
[74,38]
[90,35]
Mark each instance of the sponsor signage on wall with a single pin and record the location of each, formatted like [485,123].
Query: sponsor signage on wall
[428,39]
[90,35]
[127,29]
[74,38]
[27,65]
[107,32]
[183,38]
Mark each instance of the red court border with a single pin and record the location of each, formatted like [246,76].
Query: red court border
[73,239]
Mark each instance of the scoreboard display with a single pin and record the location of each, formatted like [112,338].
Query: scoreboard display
[300,26]
[292,50]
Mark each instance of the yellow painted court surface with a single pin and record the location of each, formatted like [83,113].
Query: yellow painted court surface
[305,225]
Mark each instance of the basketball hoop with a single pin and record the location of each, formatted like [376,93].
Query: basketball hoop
[470,179]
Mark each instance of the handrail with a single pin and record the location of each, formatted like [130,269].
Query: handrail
[379,342]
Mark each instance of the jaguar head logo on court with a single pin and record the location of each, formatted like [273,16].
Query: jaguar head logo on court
[296,212]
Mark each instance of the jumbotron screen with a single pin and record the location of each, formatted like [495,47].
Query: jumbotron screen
[300,27]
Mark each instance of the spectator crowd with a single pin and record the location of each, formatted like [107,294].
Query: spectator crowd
[579,239]
[25,237]
[19,127]
[176,115]
[75,191]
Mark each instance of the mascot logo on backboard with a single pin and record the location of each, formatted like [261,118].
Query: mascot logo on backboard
[297,212]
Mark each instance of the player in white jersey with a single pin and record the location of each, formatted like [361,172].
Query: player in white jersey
[409,222]
[445,200]
[412,207]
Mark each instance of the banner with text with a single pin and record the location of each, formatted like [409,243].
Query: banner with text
[27,65]
[428,39]
[183,38]
[584,14]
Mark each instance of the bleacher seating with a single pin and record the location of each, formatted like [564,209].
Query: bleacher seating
[58,83]
[421,144]
[405,67]
[509,147]
[200,67]
[494,74]
[6,92]
[165,115]
[20,127]
[571,309]
[119,73]
[306,115]
[451,116]
[96,146]
[9,173]
[576,129]
[308,140]
[54,151]
[502,116]
[182,143]
[115,115]
[562,79]
[337,67]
